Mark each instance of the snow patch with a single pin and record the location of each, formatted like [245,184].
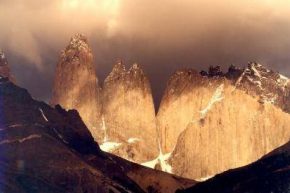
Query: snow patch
[204,178]
[217,97]
[109,146]
[162,159]
[283,81]
[59,135]
[104,128]
[2,55]
[240,78]
[6,141]
[15,125]
[256,72]
[269,99]
[43,115]
[150,164]
[133,140]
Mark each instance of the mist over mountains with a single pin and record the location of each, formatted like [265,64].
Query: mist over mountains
[162,36]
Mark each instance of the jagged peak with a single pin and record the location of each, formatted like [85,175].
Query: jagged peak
[119,66]
[2,54]
[77,49]
[3,60]
[117,73]
[78,42]
[5,68]
[78,37]
[135,67]
[136,70]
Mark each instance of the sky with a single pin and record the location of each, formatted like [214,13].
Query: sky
[161,35]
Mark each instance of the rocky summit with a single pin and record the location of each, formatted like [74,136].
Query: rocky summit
[76,84]
[129,115]
[5,68]
[50,150]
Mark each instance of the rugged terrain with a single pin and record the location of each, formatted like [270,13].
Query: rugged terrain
[223,121]
[45,149]
[76,84]
[129,115]
[270,174]
[234,112]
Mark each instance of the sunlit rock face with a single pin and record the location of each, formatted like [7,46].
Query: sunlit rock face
[76,84]
[269,174]
[4,68]
[129,128]
[213,122]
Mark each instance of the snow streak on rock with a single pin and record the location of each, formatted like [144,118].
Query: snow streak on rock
[109,146]
[217,97]
[162,159]
[204,178]
[104,128]
[59,135]
[133,140]
[43,115]
[7,141]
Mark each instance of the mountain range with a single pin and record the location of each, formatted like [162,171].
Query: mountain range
[108,136]
[233,112]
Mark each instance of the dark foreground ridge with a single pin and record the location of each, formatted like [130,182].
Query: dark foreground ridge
[270,174]
[50,150]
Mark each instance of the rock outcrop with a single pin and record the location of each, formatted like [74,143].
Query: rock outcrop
[257,80]
[210,123]
[4,67]
[269,174]
[270,86]
[76,84]
[129,128]
[178,106]
[50,150]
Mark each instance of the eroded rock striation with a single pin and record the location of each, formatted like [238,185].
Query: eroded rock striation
[129,128]
[76,84]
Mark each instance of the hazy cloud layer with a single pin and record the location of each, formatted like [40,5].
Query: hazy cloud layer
[161,35]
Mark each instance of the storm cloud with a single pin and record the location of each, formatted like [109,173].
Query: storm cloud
[160,35]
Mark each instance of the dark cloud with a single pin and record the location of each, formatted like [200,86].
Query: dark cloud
[161,35]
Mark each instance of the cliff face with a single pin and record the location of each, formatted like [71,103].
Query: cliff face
[4,68]
[179,105]
[129,128]
[232,130]
[269,174]
[213,122]
[76,84]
